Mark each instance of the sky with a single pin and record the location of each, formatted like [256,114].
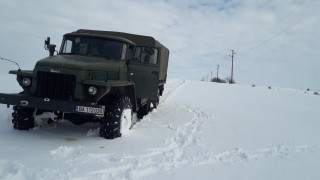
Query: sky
[276,42]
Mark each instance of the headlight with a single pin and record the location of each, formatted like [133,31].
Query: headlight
[92,90]
[26,81]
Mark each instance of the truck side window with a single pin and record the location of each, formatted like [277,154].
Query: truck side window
[142,56]
[137,53]
[154,57]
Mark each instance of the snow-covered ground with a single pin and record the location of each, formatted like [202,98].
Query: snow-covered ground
[200,130]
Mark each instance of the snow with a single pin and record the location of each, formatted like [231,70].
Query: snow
[200,130]
[42,119]
[126,121]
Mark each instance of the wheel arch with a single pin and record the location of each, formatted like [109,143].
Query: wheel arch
[117,87]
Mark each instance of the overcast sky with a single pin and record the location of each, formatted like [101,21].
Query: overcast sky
[276,41]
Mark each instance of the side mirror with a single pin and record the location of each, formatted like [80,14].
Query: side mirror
[47,42]
[149,50]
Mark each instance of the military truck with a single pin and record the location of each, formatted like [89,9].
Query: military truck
[97,76]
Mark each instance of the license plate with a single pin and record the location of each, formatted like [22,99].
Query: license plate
[90,110]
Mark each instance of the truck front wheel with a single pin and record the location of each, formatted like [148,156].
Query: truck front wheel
[22,118]
[118,118]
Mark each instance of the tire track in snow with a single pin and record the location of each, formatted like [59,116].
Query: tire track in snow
[170,89]
[181,148]
[14,170]
[188,140]
[239,155]
[131,167]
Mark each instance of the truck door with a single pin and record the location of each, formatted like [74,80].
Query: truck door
[144,71]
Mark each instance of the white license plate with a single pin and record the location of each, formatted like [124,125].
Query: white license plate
[91,110]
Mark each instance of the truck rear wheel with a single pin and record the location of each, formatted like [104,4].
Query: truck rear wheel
[117,119]
[155,103]
[143,110]
[22,118]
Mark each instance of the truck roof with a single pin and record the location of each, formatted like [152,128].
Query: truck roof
[139,40]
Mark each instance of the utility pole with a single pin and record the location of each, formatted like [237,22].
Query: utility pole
[217,73]
[232,54]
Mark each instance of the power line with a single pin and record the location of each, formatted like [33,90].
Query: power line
[310,13]
[288,28]
[272,26]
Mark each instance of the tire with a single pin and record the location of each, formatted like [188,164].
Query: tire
[22,118]
[117,119]
[155,103]
[148,107]
[143,110]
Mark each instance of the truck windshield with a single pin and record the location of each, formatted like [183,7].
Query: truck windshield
[93,46]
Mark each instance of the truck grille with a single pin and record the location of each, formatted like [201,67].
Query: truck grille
[55,85]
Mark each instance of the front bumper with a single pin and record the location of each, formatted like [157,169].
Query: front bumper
[50,104]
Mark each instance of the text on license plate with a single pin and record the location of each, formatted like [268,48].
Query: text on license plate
[91,110]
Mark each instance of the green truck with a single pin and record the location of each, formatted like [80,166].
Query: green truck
[97,76]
